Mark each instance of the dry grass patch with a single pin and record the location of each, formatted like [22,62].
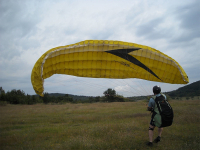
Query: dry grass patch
[95,126]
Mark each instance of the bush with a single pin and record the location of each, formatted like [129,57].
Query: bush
[3,103]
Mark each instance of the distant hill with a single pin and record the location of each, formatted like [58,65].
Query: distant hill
[192,89]
[75,97]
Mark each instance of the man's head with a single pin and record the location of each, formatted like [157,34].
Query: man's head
[156,89]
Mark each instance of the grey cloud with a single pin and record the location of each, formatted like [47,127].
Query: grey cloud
[18,24]
[149,27]
[189,16]
[189,21]
[151,30]
[15,19]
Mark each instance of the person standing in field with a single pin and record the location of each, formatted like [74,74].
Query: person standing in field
[162,114]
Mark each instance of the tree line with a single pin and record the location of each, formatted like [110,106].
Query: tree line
[19,97]
[190,90]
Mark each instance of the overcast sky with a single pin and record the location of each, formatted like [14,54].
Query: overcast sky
[28,28]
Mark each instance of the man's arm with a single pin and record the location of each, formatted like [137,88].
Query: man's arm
[151,104]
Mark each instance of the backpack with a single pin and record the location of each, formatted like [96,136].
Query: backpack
[163,112]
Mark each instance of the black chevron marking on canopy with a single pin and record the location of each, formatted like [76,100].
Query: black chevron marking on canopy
[123,53]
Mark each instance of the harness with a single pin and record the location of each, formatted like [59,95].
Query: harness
[162,113]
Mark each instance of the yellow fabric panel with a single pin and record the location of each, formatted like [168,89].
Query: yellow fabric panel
[107,59]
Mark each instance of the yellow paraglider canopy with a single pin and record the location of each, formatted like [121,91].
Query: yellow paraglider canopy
[107,59]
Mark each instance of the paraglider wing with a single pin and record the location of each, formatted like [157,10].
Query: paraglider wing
[107,59]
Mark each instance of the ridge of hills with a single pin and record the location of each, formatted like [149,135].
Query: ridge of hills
[75,97]
[192,89]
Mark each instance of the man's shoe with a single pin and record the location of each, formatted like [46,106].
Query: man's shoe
[157,139]
[149,144]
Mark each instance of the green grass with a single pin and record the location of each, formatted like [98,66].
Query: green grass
[115,126]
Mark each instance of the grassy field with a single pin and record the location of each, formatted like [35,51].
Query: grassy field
[114,126]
